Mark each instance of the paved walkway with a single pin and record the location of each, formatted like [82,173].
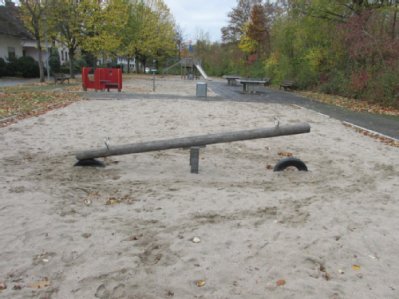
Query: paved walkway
[387,125]
[9,81]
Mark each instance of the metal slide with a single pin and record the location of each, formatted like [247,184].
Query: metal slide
[202,72]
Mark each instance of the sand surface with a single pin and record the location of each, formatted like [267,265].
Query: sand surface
[126,230]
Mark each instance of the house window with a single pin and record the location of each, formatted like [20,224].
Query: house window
[62,55]
[66,56]
[11,53]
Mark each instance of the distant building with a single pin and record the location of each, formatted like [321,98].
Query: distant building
[17,41]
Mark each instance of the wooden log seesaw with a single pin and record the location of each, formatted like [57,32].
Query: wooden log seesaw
[88,157]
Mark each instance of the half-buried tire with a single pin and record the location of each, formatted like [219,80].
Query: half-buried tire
[290,162]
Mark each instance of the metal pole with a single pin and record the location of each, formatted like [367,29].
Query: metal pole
[153,80]
[187,142]
[153,75]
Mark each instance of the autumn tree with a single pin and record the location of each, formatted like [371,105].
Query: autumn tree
[256,37]
[102,25]
[238,19]
[150,33]
[33,14]
[164,39]
[66,21]
[373,48]
[130,35]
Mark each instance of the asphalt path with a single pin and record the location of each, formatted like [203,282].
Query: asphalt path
[384,124]
[10,81]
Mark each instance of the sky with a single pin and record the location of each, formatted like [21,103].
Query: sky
[201,16]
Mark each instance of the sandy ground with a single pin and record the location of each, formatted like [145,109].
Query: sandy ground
[126,231]
[165,85]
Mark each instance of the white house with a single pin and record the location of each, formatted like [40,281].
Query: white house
[17,41]
[13,35]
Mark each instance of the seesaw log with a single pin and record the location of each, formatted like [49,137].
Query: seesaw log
[187,142]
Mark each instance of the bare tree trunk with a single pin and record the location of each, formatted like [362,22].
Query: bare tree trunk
[71,62]
[395,15]
[40,59]
[36,13]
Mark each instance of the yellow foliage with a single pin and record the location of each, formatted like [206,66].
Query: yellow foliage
[273,60]
[247,44]
[314,58]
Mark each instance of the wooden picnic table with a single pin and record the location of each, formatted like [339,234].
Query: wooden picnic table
[232,79]
[249,85]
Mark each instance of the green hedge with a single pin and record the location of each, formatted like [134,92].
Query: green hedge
[25,67]
[2,67]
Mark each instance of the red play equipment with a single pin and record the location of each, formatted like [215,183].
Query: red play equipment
[104,78]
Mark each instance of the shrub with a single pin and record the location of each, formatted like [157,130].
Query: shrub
[279,68]
[27,67]
[256,69]
[11,67]
[384,88]
[54,61]
[89,59]
[334,83]
[2,67]
[64,68]
[78,64]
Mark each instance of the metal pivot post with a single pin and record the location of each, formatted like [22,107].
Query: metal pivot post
[153,80]
[194,158]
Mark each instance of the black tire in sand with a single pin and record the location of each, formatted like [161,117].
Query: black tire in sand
[290,162]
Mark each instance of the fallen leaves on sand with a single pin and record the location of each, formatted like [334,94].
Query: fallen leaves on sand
[112,201]
[117,200]
[18,103]
[324,272]
[134,238]
[3,286]
[380,138]
[91,196]
[200,283]
[86,235]
[285,154]
[170,293]
[280,282]
[355,267]
[269,167]
[41,284]
[351,104]
[17,287]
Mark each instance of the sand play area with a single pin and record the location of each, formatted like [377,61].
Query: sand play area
[145,227]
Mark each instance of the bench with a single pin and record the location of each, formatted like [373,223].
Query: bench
[249,85]
[108,85]
[268,81]
[61,77]
[288,84]
[232,80]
